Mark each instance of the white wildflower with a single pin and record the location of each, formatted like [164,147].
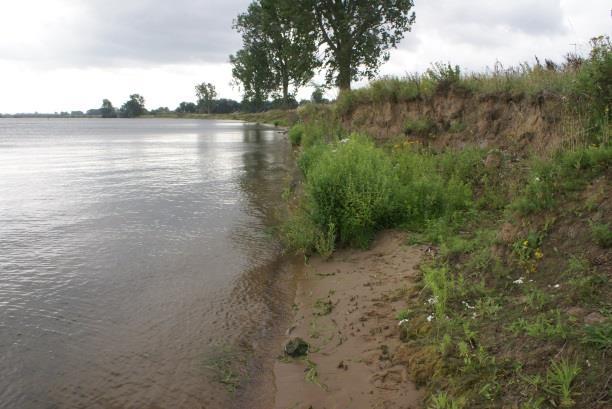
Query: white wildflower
[345,140]
[468,306]
[430,317]
[432,300]
[520,280]
[557,285]
[402,322]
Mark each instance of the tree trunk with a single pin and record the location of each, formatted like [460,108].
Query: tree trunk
[286,92]
[344,68]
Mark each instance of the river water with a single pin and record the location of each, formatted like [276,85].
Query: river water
[136,264]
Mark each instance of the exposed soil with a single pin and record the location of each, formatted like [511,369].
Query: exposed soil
[512,122]
[346,310]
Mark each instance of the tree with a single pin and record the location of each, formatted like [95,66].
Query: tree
[134,107]
[108,110]
[226,106]
[357,34]
[287,43]
[187,108]
[160,111]
[206,94]
[251,69]
[317,95]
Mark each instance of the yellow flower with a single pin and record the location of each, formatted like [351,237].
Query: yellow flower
[538,254]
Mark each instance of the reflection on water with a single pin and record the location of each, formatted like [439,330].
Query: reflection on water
[129,251]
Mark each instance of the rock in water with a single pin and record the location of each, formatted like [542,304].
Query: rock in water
[296,347]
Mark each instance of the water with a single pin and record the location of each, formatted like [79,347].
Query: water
[135,258]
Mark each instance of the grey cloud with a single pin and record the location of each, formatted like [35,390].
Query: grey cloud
[113,32]
[486,23]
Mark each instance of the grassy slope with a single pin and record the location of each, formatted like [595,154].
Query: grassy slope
[513,306]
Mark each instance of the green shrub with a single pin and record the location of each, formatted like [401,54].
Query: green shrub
[444,75]
[602,234]
[354,188]
[295,134]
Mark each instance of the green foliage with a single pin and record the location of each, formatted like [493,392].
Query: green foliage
[602,234]
[566,172]
[357,34]
[284,44]
[295,134]
[107,110]
[325,241]
[353,187]
[559,381]
[439,282]
[134,107]
[594,83]
[599,335]
[442,401]
[444,75]
[547,325]
[251,69]
[585,84]
[206,95]
[419,126]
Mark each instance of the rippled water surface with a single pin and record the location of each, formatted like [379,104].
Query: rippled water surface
[132,253]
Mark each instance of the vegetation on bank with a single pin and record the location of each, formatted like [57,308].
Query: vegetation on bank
[512,305]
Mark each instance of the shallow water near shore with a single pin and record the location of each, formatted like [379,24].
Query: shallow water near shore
[132,254]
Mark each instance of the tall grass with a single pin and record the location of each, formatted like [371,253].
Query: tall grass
[585,83]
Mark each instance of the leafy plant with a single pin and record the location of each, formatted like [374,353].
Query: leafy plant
[295,134]
[599,335]
[602,234]
[439,282]
[560,377]
[442,401]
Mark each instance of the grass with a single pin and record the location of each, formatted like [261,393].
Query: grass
[417,126]
[602,234]
[599,335]
[585,81]
[559,381]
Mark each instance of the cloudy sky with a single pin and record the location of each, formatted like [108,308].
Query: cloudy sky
[63,55]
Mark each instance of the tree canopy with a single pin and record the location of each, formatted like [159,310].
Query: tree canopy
[108,110]
[356,34]
[270,31]
[134,107]
[206,94]
[251,70]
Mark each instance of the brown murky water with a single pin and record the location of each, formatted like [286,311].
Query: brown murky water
[135,262]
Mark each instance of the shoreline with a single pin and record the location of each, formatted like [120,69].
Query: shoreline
[346,308]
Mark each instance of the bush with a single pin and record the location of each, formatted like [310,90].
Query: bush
[354,188]
[295,134]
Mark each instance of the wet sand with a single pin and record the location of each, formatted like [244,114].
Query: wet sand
[345,308]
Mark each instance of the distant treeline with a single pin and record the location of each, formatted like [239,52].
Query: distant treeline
[206,103]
